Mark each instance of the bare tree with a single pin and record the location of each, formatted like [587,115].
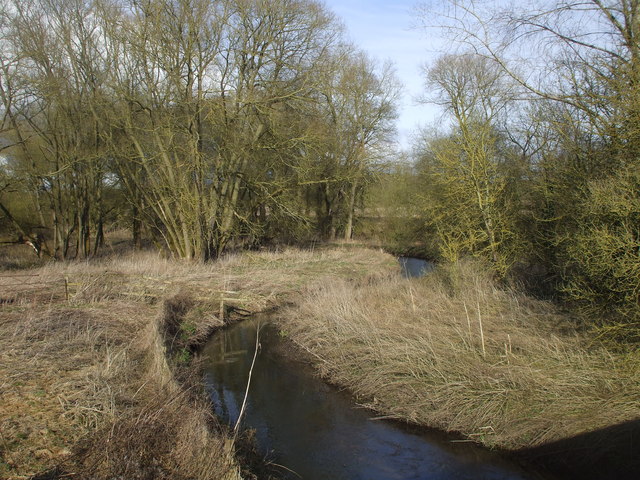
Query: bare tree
[579,62]
[55,78]
[358,103]
[466,164]
[202,89]
[213,118]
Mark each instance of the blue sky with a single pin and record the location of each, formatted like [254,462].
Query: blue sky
[385,30]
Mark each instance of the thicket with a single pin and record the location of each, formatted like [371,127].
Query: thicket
[197,124]
[537,172]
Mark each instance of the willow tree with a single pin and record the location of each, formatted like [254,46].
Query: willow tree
[277,58]
[204,113]
[469,210]
[201,89]
[358,105]
[162,55]
[50,95]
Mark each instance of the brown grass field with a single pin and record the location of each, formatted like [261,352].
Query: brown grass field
[95,356]
[99,368]
[455,352]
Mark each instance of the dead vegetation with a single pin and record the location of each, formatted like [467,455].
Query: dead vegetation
[455,352]
[97,365]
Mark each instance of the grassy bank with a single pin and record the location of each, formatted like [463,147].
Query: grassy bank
[96,358]
[455,352]
[100,377]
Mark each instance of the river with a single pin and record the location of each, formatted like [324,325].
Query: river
[414,267]
[317,432]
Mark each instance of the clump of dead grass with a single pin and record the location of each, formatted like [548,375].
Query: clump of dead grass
[65,370]
[454,351]
[170,432]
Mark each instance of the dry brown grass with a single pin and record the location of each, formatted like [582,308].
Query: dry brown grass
[92,358]
[454,352]
[167,430]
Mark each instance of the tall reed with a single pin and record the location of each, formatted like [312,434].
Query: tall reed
[456,352]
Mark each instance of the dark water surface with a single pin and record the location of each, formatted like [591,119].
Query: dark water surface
[318,432]
[414,267]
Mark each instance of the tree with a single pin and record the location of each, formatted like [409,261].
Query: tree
[49,95]
[581,68]
[358,107]
[201,90]
[470,213]
[214,119]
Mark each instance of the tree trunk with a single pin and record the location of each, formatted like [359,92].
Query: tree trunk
[135,227]
[348,232]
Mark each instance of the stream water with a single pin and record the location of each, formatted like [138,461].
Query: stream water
[414,267]
[317,432]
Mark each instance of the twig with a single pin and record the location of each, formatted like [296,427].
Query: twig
[285,468]
[468,322]
[20,275]
[246,393]
[413,303]
[484,353]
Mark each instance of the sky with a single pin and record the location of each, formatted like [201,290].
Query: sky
[385,29]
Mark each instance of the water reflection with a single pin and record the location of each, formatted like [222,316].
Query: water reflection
[414,267]
[316,431]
